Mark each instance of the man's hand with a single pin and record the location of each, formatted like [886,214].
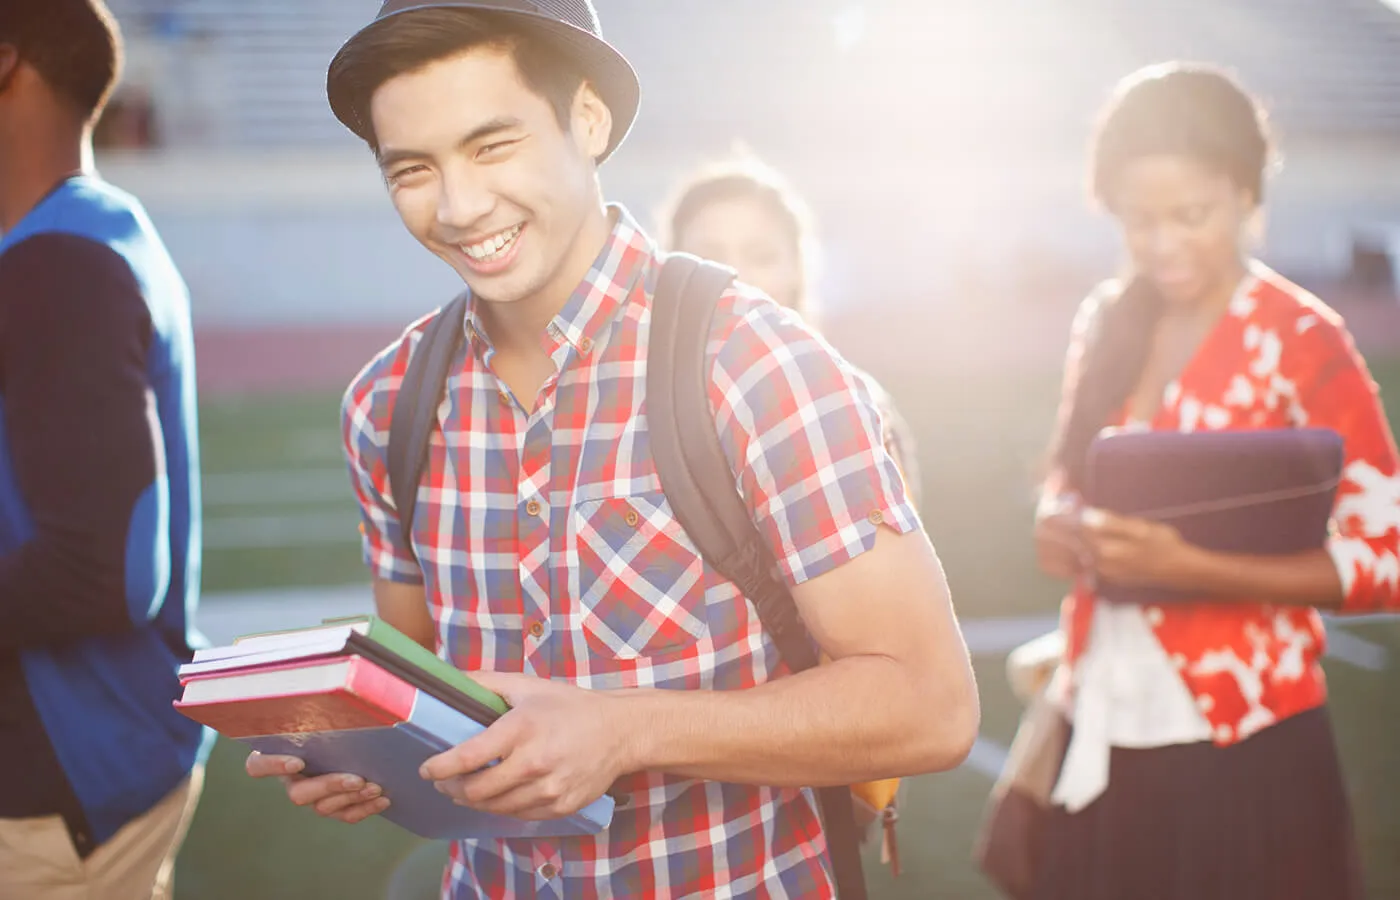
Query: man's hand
[1135,552]
[345,798]
[560,748]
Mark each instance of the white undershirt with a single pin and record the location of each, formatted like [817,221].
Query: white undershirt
[1126,693]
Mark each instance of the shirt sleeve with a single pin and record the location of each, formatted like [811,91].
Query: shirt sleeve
[803,433]
[85,445]
[365,431]
[898,438]
[1336,391]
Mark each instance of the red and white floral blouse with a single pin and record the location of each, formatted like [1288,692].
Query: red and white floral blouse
[1278,358]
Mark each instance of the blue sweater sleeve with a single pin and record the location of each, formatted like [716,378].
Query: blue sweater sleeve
[85,445]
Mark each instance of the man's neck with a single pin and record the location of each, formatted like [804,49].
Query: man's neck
[38,162]
[517,326]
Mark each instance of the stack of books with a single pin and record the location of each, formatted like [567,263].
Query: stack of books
[360,697]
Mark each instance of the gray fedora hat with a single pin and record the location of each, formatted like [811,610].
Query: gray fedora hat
[569,25]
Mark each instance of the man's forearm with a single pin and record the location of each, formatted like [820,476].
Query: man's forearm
[856,719]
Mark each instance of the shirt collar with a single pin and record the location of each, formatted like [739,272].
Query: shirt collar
[602,293]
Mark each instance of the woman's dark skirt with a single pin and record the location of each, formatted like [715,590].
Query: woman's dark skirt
[1264,819]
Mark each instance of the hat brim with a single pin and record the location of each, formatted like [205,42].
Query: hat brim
[611,75]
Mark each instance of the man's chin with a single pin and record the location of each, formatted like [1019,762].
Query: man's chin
[506,287]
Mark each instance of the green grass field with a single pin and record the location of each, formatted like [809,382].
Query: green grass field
[979,445]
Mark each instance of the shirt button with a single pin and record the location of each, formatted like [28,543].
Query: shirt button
[1179,661]
[505,397]
[1154,615]
[536,629]
[632,518]
[1205,703]
[876,517]
[1223,734]
[533,508]
[586,345]
[548,871]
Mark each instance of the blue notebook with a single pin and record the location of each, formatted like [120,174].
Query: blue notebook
[390,757]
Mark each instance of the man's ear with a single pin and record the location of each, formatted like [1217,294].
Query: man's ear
[592,121]
[9,65]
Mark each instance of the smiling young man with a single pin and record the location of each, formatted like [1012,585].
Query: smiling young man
[543,556]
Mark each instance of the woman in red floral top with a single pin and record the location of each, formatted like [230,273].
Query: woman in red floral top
[1201,762]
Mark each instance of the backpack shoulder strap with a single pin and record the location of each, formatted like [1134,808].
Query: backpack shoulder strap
[415,409]
[700,486]
[694,472]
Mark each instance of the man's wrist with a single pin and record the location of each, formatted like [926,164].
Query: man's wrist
[640,720]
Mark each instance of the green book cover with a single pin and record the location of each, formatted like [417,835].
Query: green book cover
[395,641]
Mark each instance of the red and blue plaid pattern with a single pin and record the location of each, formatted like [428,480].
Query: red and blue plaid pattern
[547,547]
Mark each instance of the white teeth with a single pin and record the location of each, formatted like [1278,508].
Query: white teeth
[491,247]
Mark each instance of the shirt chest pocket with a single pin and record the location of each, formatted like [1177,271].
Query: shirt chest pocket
[640,581]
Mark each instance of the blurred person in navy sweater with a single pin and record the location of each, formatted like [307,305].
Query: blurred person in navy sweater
[99,490]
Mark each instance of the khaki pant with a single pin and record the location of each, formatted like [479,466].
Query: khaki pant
[38,862]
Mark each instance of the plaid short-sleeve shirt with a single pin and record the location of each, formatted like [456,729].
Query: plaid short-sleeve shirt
[547,547]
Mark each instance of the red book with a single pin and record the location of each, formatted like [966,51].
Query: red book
[323,695]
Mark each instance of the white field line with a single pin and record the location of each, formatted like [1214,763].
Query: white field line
[279,487]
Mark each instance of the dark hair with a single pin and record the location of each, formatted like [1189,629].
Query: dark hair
[740,178]
[1193,111]
[74,45]
[411,40]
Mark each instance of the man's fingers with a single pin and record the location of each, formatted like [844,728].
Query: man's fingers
[513,686]
[311,791]
[357,814]
[472,755]
[261,765]
[337,804]
[531,801]
[482,789]
[513,788]
[344,797]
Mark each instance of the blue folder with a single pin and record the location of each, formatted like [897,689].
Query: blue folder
[390,757]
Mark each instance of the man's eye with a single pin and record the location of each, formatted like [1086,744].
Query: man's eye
[407,171]
[496,148]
